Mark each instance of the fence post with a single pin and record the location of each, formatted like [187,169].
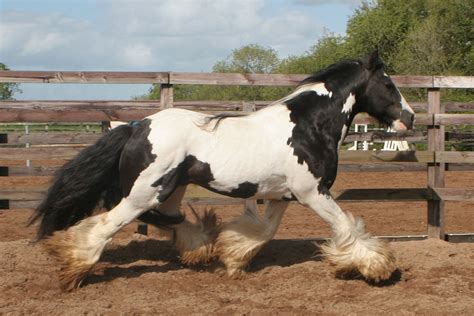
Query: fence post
[166,96]
[435,170]
[249,204]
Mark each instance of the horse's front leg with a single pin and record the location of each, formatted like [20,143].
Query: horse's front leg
[240,240]
[351,249]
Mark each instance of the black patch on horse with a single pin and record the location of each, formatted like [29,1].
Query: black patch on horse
[314,138]
[192,170]
[244,190]
[289,198]
[136,156]
[319,121]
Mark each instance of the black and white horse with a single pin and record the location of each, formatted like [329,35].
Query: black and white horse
[286,151]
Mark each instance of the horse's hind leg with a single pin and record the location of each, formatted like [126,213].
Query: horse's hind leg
[79,248]
[168,213]
[351,249]
[194,240]
[240,240]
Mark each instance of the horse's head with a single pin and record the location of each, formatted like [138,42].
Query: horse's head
[382,99]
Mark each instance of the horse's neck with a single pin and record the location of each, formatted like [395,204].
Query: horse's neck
[325,116]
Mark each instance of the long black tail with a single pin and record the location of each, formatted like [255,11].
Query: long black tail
[79,186]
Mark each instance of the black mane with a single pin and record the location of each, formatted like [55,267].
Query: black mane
[336,76]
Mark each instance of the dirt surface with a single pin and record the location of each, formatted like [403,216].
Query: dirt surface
[138,274]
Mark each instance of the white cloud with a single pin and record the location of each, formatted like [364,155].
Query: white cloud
[178,35]
[41,43]
[322,2]
[143,34]
[137,55]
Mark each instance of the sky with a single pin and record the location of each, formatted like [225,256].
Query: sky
[152,35]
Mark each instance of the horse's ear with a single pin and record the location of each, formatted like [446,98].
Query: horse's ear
[373,62]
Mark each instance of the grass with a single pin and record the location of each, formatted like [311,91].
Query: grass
[51,127]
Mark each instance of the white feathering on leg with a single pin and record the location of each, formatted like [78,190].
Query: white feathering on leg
[195,241]
[353,250]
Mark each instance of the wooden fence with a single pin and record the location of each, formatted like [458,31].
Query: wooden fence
[46,151]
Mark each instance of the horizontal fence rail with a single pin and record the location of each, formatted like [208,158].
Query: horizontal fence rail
[45,151]
[99,111]
[111,77]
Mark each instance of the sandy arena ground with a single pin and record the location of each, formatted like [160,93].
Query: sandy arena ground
[140,274]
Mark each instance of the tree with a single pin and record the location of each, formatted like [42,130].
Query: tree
[415,37]
[426,36]
[7,90]
[328,50]
[251,58]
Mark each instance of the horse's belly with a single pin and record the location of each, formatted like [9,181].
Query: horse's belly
[269,187]
[273,187]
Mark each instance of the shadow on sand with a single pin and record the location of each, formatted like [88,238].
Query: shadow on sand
[280,252]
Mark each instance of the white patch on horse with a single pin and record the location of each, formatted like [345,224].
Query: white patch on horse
[229,161]
[318,87]
[350,101]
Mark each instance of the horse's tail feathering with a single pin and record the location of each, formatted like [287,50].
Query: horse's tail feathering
[92,176]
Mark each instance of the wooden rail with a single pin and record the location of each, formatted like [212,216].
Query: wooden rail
[47,151]
[99,111]
[111,77]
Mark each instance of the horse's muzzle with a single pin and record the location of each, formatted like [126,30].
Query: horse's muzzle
[407,118]
[405,121]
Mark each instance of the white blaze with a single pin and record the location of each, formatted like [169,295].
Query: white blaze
[405,105]
[403,102]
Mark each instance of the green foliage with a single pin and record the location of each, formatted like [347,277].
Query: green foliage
[7,90]
[251,58]
[416,37]
[51,127]
[325,52]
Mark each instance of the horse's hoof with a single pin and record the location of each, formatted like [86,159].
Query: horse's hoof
[379,267]
[75,252]
[371,258]
[236,274]
[195,241]
[73,269]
